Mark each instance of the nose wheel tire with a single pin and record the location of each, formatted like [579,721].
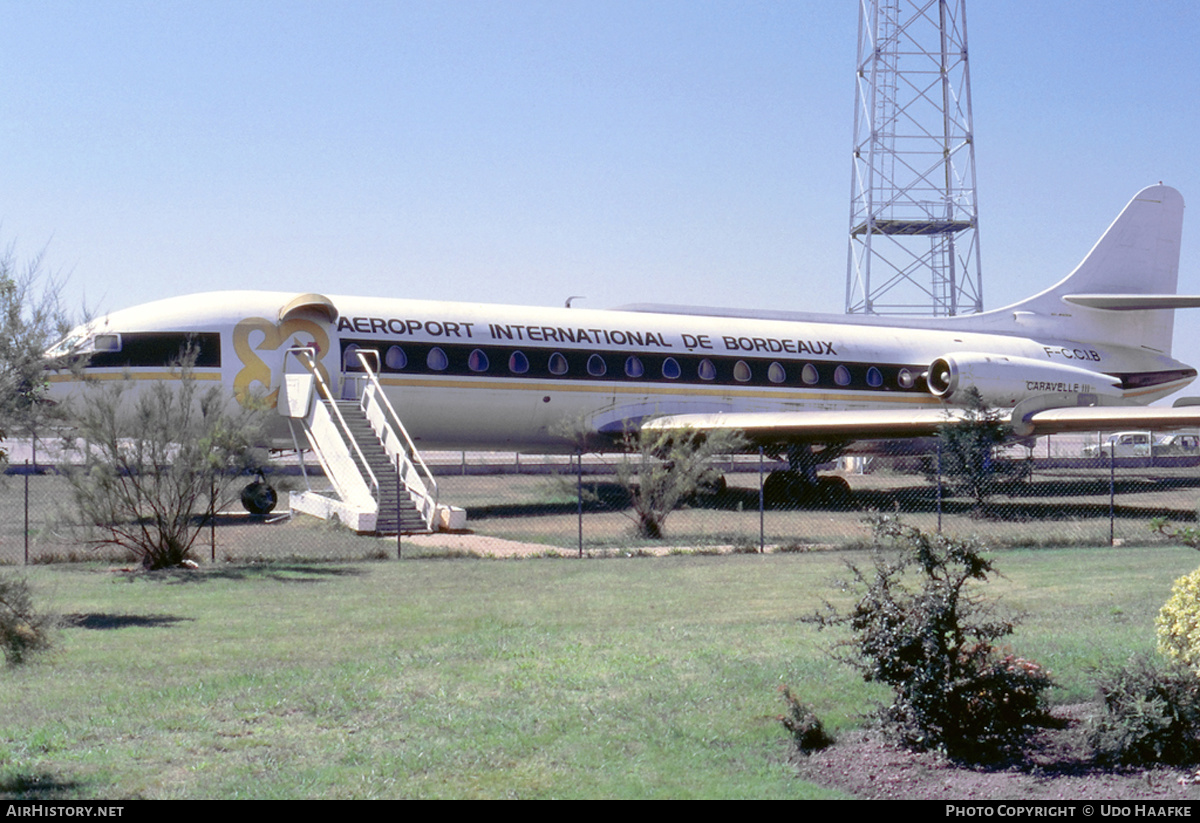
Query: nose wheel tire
[259,498]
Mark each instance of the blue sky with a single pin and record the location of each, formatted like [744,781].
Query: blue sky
[693,152]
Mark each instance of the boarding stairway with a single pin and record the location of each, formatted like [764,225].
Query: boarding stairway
[380,483]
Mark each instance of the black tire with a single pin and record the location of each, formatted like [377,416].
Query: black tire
[785,489]
[835,491]
[259,498]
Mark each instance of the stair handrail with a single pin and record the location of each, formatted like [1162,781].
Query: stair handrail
[304,354]
[411,454]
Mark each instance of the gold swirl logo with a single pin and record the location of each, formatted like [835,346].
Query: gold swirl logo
[257,334]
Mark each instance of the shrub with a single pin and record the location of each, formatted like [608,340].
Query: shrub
[23,630]
[1178,623]
[1149,713]
[802,721]
[150,463]
[917,627]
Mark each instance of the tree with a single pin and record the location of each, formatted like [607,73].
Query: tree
[661,468]
[968,445]
[153,462]
[31,319]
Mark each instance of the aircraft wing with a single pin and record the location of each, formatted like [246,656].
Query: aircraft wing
[899,424]
[1095,418]
[813,426]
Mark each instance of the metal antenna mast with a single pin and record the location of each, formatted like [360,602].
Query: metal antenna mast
[914,218]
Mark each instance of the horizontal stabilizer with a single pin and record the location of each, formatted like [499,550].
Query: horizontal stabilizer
[1134,302]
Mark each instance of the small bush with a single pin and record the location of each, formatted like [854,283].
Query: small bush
[1178,623]
[1149,713]
[919,627]
[802,721]
[23,630]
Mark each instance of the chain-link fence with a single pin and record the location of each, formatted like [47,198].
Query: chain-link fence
[1058,491]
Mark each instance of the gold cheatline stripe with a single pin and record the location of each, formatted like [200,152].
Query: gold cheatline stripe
[659,388]
[71,378]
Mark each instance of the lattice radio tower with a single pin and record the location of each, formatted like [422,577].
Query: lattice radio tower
[914,219]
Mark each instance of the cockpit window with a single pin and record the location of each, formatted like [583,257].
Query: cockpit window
[84,343]
[106,342]
[139,349]
[68,345]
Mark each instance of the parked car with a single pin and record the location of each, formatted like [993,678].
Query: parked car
[1176,445]
[1121,444]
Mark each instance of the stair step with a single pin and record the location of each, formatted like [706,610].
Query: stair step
[396,509]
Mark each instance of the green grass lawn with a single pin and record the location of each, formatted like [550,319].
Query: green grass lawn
[631,677]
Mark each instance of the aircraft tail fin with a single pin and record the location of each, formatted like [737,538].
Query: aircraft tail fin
[1123,291]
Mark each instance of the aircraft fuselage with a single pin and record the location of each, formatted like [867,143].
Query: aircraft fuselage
[468,375]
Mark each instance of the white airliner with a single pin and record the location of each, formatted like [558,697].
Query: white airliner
[1088,353]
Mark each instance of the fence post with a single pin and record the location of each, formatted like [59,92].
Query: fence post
[939,485]
[1112,494]
[762,530]
[579,494]
[399,554]
[26,512]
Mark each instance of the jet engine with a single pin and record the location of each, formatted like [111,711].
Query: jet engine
[1005,380]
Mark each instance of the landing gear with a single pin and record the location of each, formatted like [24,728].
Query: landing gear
[259,498]
[789,488]
[800,485]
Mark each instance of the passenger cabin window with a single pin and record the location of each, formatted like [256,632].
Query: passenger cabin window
[809,374]
[596,366]
[557,364]
[706,370]
[905,379]
[395,358]
[518,363]
[670,369]
[874,378]
[634,367]
[776,373]
[741,371]
[841,376]
[478,361]
[350,359]
[437,360]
